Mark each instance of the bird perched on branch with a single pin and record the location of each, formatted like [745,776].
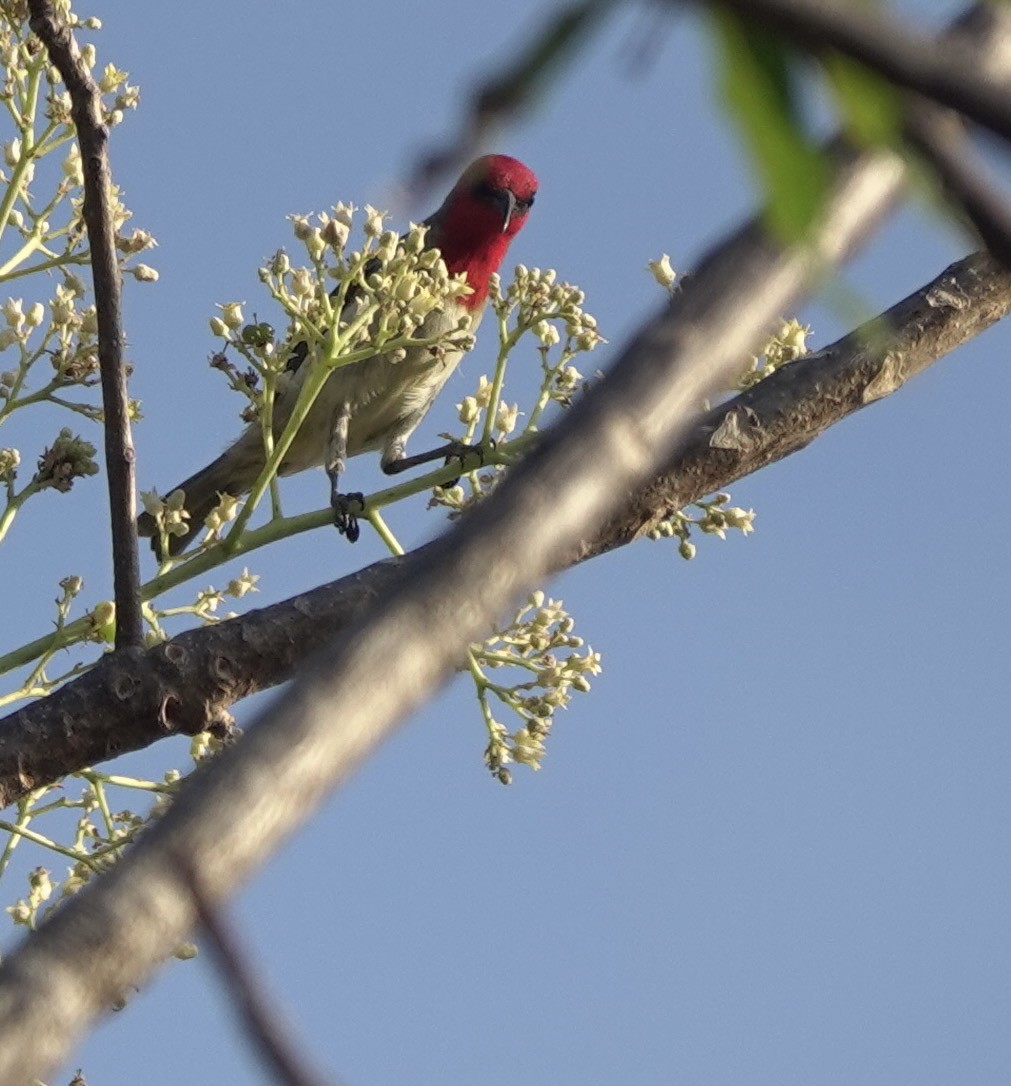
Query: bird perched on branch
[377,403]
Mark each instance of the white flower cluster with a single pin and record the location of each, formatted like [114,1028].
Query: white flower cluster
[715,517]
[539,648]
[49,344]
[786,344]
[101,834]
[342,302]
[546,306]
[534,305]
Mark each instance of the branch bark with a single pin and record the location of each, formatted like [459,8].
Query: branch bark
[188,684]
[93,137]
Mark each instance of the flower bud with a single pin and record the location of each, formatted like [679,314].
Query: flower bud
[547,333]
[111,79]
[72,585]
[662,271]
[152,502]
[336,234]
[9,461]
[72,168]
[19,913]
[301,283]
[245,582]
[505,419]
[314,243]
[12,312]
[231,314]
[415,240]
[103,621]
[468,411]
[343,214]
[136,241]
[373,222]
[793,336]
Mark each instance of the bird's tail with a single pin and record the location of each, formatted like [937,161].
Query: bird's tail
[226,475]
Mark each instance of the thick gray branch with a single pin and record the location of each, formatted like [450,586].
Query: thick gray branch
[188,684]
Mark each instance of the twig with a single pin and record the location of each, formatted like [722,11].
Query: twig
[93,136]
[944,71]
[262,1023]
[942,141]
[506,94]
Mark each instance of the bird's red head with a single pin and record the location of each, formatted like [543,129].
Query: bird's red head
[484,211]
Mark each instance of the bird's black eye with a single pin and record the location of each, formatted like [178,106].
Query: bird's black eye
[486,191]
[527,204]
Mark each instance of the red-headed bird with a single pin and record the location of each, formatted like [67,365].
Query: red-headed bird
[377,404]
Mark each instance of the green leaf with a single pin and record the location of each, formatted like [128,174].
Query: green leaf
[870,106]
[758,77]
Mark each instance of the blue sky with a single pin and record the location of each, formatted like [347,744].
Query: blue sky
[770,847]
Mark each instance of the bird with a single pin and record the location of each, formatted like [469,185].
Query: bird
[376,404]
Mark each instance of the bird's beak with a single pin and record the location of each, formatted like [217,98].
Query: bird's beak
[508,209]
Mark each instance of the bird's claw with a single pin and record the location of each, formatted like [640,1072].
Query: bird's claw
[345,515]
[461,450]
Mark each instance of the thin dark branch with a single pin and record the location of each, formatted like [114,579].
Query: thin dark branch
[946,71]
[512,90]
[261,1021]
[93,137]
[188,684]
[944,145]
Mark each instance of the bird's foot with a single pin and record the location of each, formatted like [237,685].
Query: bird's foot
[459,451]
[347,508]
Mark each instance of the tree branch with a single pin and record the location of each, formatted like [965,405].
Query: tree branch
[93,137]
[188,684]
[939,137]
[788,410]
[945,70]
[505,95]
